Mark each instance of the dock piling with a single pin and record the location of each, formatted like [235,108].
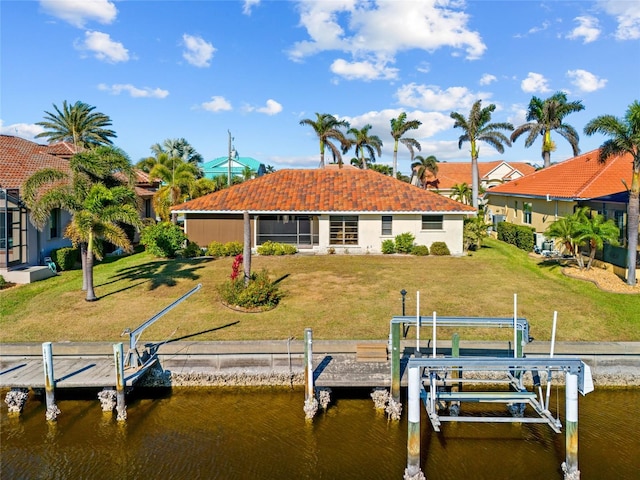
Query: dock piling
[570,466]
[310,401]
[121,407]
[413,471]
[49,383]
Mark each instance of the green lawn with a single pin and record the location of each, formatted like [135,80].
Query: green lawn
[340,297]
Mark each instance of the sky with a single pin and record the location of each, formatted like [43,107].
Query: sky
[255,68]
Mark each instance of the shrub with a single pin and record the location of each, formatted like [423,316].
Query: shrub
[420,250]
[260,293]
[190,251]
[3,282]
[163,239]
[518,235]
[439,248]
[66,258]
[388,246]
[274,248]
[331,251]
[404,242]
[216,249]
[234,248]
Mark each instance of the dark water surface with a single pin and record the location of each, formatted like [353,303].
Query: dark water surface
[262,434]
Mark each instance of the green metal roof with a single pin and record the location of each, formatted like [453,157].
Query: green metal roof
[219,166]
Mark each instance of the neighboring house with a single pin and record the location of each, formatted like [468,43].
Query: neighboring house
[220,166]
[539,199]
[491,174]
[346,209]
[22,246]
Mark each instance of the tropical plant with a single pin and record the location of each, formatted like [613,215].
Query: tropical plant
[595,232]
[50,188]
[477,128]
[177,148]
[327,128]
[365,143]
[269,169]
[178,178]
[248,173]
[399,127]
[462,193]
[564,231]
[439,249]
[545,116]
[259,294]
[420,250]
[624,138]
[103,212]
[383,169]
[404,242]
[163,239]
[388,246]
[423,166]
[475,230]
[77,124]
[202,186]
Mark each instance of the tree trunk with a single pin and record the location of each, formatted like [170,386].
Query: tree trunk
[475,182]
[547,159]
[247,248]
[633,213]
[91,296]
[395,160]
[83,261]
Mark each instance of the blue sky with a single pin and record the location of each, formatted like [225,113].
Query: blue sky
[198,69]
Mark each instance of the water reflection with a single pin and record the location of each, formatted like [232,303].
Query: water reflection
[262,434]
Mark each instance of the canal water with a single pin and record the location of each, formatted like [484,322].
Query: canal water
[261,433]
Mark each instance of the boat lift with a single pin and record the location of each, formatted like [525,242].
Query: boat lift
[133,358]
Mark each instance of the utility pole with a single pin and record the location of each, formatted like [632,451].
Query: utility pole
[229,161]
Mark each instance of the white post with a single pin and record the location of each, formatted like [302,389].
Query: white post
[49,383]
[570,465]
[417,323]
[434,335]
[413,440]
[553,346]
[515,325]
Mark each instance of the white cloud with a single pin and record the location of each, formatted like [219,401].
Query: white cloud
[79,12]
[545,25]
[271,108]
[363,70]
[487,79]
[133,91]
[627,14]
[535,82]
[588,29]
[217,104]
[27,131]
[519,115]
[381,28]
[248,6]
[431,97]
[102,47]
[586,81]
[198,51]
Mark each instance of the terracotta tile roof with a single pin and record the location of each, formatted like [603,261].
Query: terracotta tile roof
[450,174]
[324,190]
[62,149]
[581,177]
[20,158]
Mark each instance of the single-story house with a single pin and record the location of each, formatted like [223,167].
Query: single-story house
[22,247]
[344,209]
[220,166]
[540,198]
[491,174]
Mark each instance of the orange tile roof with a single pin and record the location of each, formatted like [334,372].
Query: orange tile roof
[450,174]
[324,190]
[20,158]
[582,177]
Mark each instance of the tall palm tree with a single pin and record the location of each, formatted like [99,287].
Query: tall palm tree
[596,231]
[545,116]
[365,143]
[477,128]
[77,124]
[624,138]
[100,217]
[399,127]
[462,193]
[177,178]
[179,148]
[423,166]
[50,188]
[327,128]
[383,169]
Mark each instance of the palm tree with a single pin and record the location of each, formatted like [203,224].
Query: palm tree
[476,129]
[624,138]
[462,193]
[400,126]
[596,231]
[365,143]
[327,128]
[564,231]
[423,166]
[383,169]
[100,217]
[77,124]
[177,177]
[545,116]
[178,148]
[50,188]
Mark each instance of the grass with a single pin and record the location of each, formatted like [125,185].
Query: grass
[340,297]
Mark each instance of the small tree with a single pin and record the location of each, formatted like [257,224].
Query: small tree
[475,230]
[595,231]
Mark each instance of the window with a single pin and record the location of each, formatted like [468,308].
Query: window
[6,230]
[54,223]
[432,222]
[526,212]
[386,225]
[343,230]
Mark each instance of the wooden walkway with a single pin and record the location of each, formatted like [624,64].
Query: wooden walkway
[69,372]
